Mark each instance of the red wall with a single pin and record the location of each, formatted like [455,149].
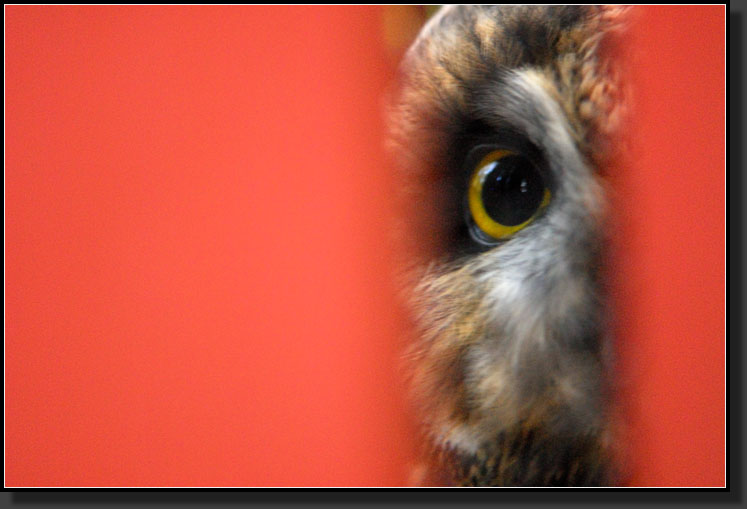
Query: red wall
[197,230]
[196,250]
[670,270]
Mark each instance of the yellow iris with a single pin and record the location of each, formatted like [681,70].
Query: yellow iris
[476,206]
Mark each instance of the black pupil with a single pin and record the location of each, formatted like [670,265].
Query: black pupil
[512,190]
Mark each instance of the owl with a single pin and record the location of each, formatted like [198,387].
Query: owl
[504,122]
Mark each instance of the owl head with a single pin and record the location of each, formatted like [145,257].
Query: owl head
[504,123]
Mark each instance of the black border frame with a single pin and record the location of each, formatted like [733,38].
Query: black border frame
[732,494]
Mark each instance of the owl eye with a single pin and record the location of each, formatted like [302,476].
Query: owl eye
[506,191]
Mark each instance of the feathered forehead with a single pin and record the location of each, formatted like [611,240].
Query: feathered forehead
[464,50]
[509,36]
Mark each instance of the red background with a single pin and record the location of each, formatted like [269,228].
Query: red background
[671,266]
[197,218]
[196,250]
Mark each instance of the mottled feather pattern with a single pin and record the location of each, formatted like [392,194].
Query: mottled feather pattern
[512,368]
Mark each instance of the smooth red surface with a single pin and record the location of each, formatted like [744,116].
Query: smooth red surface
[197,255]
[671,268]
[195,264]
